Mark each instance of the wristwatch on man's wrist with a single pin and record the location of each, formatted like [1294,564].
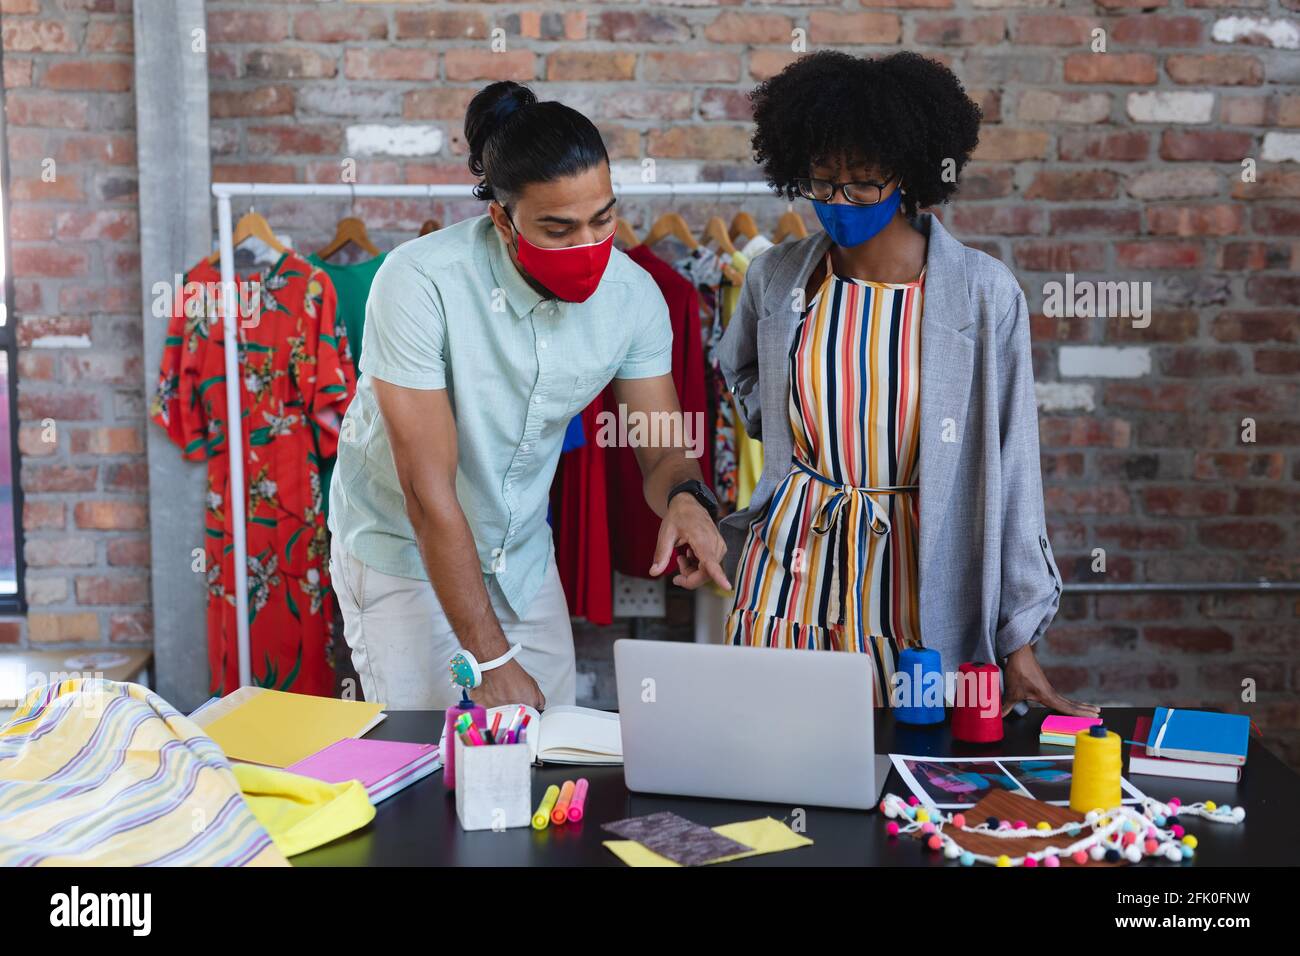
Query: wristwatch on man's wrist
[700,492]
[467,672]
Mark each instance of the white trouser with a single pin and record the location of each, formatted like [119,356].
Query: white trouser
[401,640]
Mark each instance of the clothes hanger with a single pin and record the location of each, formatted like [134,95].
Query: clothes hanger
[671,224]
[716,230]
[350,229]
[623,234]
[430,225]
[252,225]
[790,224]
[742,224]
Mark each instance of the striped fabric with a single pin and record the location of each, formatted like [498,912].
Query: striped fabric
[832,562]
[94,772]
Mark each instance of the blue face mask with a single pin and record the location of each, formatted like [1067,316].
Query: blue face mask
[849,225]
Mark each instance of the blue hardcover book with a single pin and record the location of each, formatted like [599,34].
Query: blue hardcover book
[1199,735]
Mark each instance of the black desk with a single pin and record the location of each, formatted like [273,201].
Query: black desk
[418,826]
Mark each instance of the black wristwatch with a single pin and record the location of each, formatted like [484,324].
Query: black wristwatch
[700,492]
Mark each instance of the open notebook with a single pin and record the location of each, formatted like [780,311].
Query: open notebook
[566,734]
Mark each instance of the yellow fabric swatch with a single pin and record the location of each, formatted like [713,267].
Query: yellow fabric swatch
[764,835]
[276,728]
[301,813]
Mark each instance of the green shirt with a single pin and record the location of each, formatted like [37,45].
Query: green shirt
[450,311]
[352,287]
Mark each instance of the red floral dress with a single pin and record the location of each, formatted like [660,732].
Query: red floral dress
[297,381]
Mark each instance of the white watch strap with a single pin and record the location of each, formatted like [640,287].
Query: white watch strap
[505,658]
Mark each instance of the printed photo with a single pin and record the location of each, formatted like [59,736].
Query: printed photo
[957,783]
[1046,779]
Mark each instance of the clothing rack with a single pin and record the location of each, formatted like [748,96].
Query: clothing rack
[224,192]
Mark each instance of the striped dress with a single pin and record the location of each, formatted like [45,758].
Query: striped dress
[832,562]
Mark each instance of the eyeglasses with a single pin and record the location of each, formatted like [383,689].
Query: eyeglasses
[858,193]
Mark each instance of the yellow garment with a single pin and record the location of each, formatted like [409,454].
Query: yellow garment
[749,451]
[765,836]
[302,813]
[749,462]
[730,291]
[99,773]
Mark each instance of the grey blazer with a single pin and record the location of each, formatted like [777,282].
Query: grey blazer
[988,581]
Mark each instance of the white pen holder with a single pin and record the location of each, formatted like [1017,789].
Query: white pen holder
[493,786]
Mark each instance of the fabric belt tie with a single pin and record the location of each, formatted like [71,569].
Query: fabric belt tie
[842,505]
[848,498]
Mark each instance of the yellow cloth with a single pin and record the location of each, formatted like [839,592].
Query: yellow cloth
[99,773]
[749,451]
[730,291]
[765,836]
[749,462]
[299,812]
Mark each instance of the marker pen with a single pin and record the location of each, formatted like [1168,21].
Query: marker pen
[543,815]
[560,814]
[579,801]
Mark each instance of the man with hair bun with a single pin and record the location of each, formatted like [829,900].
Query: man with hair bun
[481,342]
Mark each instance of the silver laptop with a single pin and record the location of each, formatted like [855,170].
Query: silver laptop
[748,723]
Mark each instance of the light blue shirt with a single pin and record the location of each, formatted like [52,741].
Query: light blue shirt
[450,310]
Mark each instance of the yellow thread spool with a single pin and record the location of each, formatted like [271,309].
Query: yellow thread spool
[1094,784]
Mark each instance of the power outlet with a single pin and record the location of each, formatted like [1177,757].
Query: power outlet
[638,597]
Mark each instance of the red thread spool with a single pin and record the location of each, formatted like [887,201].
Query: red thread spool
[977,716]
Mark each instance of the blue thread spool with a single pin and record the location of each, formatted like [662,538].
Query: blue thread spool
[923,683]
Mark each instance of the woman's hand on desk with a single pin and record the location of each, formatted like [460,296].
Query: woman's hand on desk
[1023,679]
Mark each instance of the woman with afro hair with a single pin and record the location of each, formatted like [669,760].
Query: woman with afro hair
[886,367]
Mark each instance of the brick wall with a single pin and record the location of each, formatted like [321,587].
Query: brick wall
[1123,164]
[1116,165]
[74,236]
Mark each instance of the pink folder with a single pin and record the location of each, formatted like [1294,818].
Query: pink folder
[383,766]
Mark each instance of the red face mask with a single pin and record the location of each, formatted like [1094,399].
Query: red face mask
[571,273]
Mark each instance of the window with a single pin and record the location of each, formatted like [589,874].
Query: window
[11,564]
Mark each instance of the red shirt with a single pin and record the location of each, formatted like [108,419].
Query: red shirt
[579,525]
[600,520]
[636,527]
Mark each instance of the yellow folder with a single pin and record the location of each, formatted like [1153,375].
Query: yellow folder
[275,728]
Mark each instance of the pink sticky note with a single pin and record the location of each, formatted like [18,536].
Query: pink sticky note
[1069,726]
